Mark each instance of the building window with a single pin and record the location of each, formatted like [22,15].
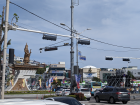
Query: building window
[139,73]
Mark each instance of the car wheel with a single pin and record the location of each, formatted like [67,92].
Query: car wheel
[97,99]
[88,99]
[124,102]
[111,100]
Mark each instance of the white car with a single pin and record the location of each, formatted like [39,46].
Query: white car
[65,92]
[29,102]
[86,92]
[59,92]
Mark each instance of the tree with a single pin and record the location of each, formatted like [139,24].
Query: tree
[96,79]
[40,70]
[130,74]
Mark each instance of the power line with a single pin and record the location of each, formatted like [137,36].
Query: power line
[108,43]
[109,50]
[70,30]
[38,16]
[59,42]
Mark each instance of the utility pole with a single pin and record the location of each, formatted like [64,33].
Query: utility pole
[72,51]
[5,47]
[1,27]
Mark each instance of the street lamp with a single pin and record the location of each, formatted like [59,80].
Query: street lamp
[72,57]
[71,52]
[77,46]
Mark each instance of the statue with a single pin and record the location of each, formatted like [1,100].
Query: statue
[26,55]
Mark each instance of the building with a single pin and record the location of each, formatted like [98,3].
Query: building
[89,72]
[104,74]
[57,70]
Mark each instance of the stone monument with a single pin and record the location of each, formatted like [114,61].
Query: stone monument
[24,71]
[26,55]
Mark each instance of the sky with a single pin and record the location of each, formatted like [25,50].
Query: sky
[112,22]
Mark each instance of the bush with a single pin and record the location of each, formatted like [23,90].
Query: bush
[74,96]
[79,96]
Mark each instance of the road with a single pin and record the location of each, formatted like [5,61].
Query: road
[92,101]
[137,102]
[133,101]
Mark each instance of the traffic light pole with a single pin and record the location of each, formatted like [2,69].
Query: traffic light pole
[5,47]
[72,48]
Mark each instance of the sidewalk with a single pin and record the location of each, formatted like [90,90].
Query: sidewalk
[134,96]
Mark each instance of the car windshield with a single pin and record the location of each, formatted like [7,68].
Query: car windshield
[67,90]
[122,90]
[85,90]
[60,89]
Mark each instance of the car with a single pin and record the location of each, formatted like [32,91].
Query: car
[29,102]
[67,100]
[86,92]
[59,92]
[112,95]
[65,92]
[97,90]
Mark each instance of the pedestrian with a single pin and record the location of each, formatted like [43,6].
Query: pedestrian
[132,90]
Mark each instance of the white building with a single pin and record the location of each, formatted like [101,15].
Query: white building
[89,72]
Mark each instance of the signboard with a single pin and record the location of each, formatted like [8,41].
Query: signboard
[56,71]
[96,87]
[82,58]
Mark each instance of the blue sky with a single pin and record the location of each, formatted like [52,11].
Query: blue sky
[112,21]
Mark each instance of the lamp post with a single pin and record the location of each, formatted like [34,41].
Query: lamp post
[72,58]
[72,51]
[77,47]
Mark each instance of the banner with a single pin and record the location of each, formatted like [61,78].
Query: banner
[47,83]
[82,58]
[23,82]
[12,82]
[39,82]
[77,78]
[47,68]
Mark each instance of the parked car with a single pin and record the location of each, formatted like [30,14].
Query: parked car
[112,95]
[86,92]
[29,102]
[59,92]
[65,92]
[97,90]
[67,100]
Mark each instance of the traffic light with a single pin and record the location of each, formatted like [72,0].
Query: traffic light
[86,42]
[126,59]
[50,48]
[49,37]
[108,58]
[11,56]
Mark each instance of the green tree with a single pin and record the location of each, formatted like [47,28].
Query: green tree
[40,70]
[96,79]
[130,74]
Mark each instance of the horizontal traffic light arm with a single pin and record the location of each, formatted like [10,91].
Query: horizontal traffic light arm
[10,27]
[54,47]
[122,57]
